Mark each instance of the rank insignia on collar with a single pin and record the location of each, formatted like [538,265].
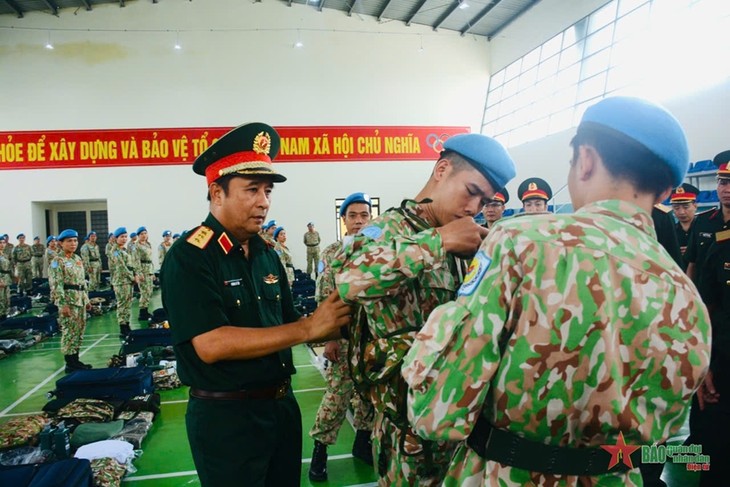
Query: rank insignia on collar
[225,242]
[271,279]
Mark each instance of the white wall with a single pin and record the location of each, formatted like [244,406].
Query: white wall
[237,64]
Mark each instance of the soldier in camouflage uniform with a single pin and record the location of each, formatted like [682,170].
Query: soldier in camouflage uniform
[22,255]
[284,253]
[51,252]
[570,331]
[164,246]
[111,245]
[145,272]
[132,243]
[71,297]
[121,266]
[8,248]
[340,393]
[312,241]
[91,255]
[6,279]
[267,232]
[398,269]
[38,251]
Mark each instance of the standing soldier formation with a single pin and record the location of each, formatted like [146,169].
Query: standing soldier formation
[38,251]
[6,279]
[22,255]
[398,269]
[145,272]
[69,294]
[355,213]
[312,241]
[91,255]
[571,331]
[121,267]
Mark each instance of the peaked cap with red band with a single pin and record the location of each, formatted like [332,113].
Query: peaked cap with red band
[684,194]
[246,150]
[534,188]
[501,196]
[722,161]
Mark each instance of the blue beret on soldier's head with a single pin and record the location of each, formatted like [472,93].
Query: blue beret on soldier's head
[166,233]
[269,224]
[277,231]
[4,238]
[20,235]
[49,239]
[68,233]
[646,123]
[141,229]
[247,150]
[355,198]
[487,156]
[177,235]
[119,231]
[133,234]
[36,238]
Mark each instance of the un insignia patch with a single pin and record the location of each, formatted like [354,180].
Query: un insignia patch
[54,264]
[371,231]
[320,267]
[477,269]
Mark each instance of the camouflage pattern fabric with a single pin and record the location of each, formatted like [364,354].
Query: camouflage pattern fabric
[600,330]
[107,472]
[162,252]
[121,267]
[6,279]
[9,251]
[108,251]
[397,271]
[286,260]
[146,271]
[91,255]
[38,251]
[312,241]
[22,430]
[87,411]
[340,391]
[22,255]
[69,271]
[166,379]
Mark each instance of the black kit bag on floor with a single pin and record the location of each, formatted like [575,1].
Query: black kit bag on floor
[23,303]
[138,340]
[45,324]
[107,294]
[115,383]
[159,315]
[72,472]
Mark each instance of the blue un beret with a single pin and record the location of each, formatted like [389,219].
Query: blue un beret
[20,235]
[36,237]
[177,235]
[141,229]
[487,156]
[68,233]
[269,224]
[119,231]
[50,237]
[647,123]
[133,234]
[166,233]
[354,198]
[276,232]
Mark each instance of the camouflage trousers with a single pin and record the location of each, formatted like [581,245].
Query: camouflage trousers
[94,275]
[145,290]
[339,395]
[25,276]
[72,329]
[123,293]
[312,260]
[37,265]
[4,299]
[403,459]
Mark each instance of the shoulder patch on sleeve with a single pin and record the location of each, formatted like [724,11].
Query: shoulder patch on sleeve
[477,269]
[371,231]
[320,267]
[54,264]
[201,237]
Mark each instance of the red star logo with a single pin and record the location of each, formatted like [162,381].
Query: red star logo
[620,451]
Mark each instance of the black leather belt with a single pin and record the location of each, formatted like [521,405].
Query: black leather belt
[5,272]
[312,245]
[94,260]
[146,261]
[507,448]
[277,391]
[23,261]
[73,287]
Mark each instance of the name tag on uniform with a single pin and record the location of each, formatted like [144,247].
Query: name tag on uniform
[69,264]
[232,282]
[705,235]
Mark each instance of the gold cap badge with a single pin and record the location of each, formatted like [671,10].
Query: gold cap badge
[262,143]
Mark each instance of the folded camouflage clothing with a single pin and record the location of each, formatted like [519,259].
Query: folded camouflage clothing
[87,411]
[22,430]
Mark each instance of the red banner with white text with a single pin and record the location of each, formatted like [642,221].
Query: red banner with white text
[54,149]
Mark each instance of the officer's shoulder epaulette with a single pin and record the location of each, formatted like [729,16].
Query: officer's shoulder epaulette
[663,208]
[706,212]
[200,237]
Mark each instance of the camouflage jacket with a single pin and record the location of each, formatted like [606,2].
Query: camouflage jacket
[311,239]
[9,251]
[397,270]
[162,251]
[109,250]
[22,254]
[326,276]
[567,330]
[121,266]
[143,258]
[50,255]
[286,261]
[90,253]
[6,270]
[38,250]
[67,278]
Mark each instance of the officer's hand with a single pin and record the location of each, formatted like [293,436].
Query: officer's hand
[707,394]
[328,318]
[463,236]
[66,311]
[332,351]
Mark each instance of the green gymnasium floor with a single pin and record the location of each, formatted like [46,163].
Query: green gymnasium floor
[25,377]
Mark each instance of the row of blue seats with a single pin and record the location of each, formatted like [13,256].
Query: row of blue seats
[701,166]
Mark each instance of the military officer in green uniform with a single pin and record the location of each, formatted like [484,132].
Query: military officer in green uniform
[22,255]
[398,269]
[571,331]
[71,297]
[38,251]
[6,279]
[233,322]
[145,272]
[494,208]
[312,241]
[123,271]
[684,205]
[91,255]
[534,194]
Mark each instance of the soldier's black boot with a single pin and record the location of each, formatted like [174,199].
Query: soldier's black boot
[71,364]
[362,447]
[80,363]
[124,330]
[144,314]
[318,467]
